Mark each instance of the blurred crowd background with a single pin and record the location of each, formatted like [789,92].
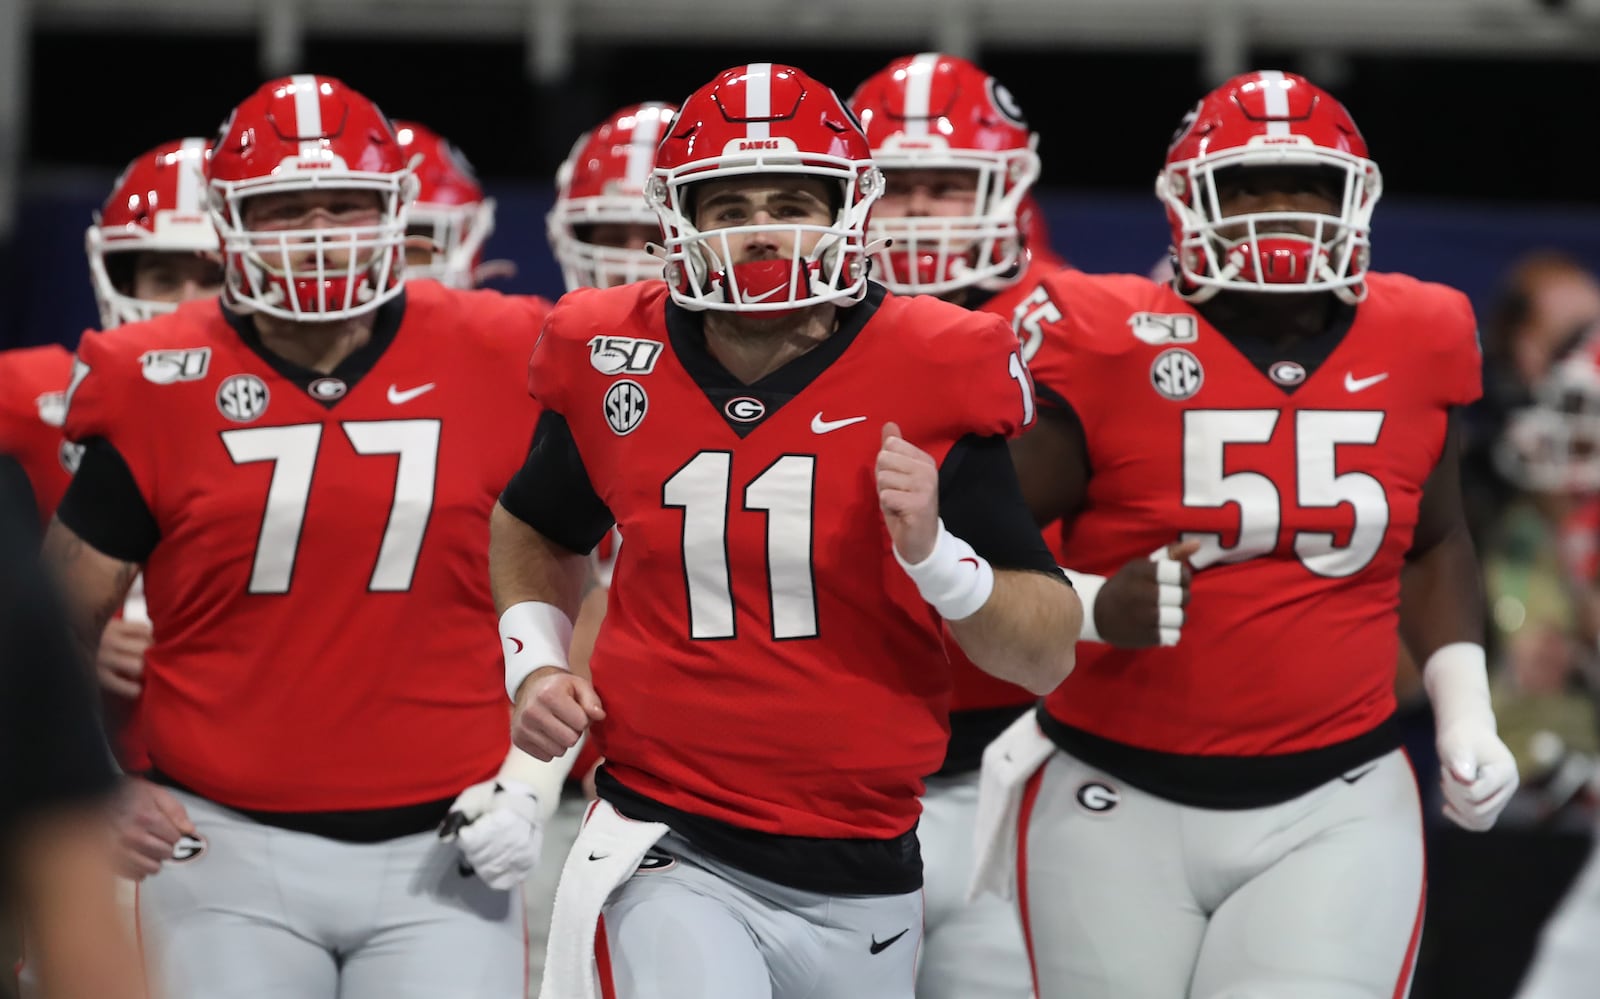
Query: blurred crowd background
[1478,112]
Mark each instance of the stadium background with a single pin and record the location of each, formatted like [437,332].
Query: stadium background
[1481,135]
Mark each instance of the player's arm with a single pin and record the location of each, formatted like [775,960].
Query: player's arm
[540,533]
[1142,603]
[102,532]
[1052,461]
[982,564]
[1441,622]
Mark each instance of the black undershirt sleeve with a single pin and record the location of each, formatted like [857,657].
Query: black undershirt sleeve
[104,507]
[551,492]
[981,503]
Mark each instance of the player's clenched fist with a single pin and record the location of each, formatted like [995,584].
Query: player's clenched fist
[554,708]
[149,823]
[1142,604]
[908,494]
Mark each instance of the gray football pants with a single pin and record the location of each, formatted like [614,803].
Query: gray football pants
[687,927]
[265,913]
[1128,896]
[970,950]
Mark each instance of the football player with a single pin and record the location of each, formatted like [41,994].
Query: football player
[150,247]
[598,229]
[452,218]
[768,429]
[148,251]
[1231,816]
[958,161]
[600,223]
[304,470]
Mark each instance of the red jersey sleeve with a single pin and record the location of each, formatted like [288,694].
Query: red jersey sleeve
[984,387]
[101,402]
[554,352]
[1085,328]
[1459,354]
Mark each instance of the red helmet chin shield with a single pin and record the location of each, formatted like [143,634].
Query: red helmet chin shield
[300,136]
[1260,120]
[757,125]
[936,112]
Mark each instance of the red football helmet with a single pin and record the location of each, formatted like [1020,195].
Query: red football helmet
[940,112]
[451,210]
[157,205]
[310,133]
[764,119]
[1268,119]
[602,182]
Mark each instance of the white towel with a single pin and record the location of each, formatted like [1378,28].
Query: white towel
[1008,762]
[606,853]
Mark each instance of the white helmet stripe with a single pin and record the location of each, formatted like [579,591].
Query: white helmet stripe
[758,99]
[191,160]
[642,147]
[307,112]
[1277,98]
[919,85]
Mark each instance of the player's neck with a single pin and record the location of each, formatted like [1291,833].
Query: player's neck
[751,347]
[1275,319]
[315,346]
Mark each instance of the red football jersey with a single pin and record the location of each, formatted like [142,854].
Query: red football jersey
[325,637]
[974,689]
[33,403]
[1303,488]
[764,660]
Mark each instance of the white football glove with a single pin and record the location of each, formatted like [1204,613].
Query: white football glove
[497,824]
[1478,775]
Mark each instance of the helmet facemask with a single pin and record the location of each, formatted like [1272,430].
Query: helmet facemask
[939,254]
[835,269]
[295,274]
[1278,251]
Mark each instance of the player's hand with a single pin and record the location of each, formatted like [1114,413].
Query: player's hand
[554,707]
[149,822]
[590,792]
[1142,604]
[908,494]
[1477,773]
[496,824]
[120,661]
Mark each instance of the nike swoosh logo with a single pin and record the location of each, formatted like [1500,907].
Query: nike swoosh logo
[1352,778]
[397,397]
[755,299]
[821,426]
[598,856]
[518,649]
[879,947]
[1354,384]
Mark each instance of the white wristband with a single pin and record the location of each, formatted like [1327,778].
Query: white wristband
[1088,586]
[954,578]
[533,634]
[1457,680]
[542,781]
